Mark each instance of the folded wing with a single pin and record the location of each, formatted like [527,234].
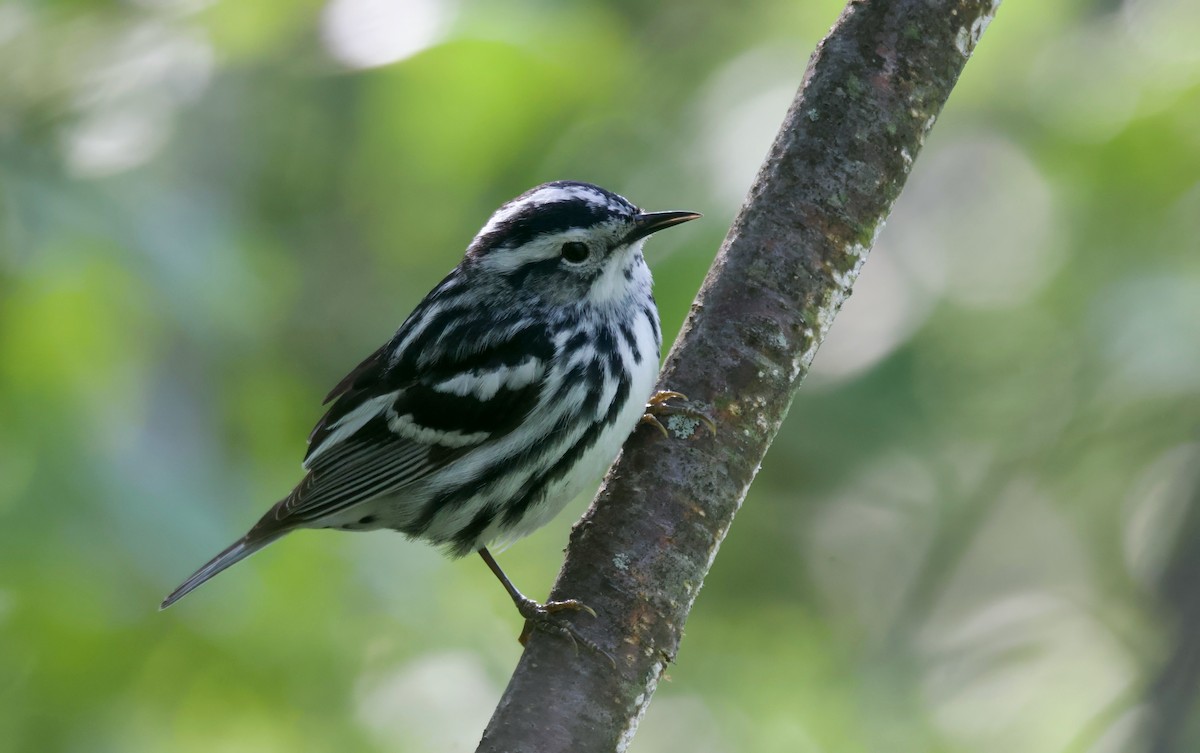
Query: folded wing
[396,420]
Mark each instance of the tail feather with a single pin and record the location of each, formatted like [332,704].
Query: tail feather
[233,554]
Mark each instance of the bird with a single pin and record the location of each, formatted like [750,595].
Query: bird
[506,391]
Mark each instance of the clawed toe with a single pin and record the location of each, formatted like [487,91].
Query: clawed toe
[662,396]
[532,610]
[570,605]
[658,405]
[544,617]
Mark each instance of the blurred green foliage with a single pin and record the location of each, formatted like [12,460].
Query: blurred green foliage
[211,210]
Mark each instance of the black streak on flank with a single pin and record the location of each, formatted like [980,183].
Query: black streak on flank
[607,350]
[648,312]
[456,497]
[535,491]
[591,373]
[466,537]
[606,342]
[630,341]
[577,341]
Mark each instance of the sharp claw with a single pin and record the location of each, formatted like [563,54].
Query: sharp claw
[662,396]
[570,605]
[649,419]
[541,617]
[586,608]
[657,406]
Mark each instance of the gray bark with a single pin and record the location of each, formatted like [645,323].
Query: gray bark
[1174,723]
[872,91]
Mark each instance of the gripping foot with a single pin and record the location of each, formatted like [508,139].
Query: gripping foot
[659,406]
[545,617]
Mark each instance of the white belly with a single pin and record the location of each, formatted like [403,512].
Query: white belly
[597,459]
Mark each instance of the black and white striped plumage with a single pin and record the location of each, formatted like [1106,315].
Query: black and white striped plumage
[508,389]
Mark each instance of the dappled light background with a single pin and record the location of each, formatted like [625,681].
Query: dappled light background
[978,532]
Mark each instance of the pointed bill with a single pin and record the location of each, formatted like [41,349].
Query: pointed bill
[651,222]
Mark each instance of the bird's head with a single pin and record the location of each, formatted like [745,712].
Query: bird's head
[569,241]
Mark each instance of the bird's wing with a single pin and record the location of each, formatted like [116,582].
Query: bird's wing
[396,419]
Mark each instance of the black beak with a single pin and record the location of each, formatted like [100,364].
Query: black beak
[651,222]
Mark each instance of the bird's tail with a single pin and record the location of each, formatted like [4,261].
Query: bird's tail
[234,553]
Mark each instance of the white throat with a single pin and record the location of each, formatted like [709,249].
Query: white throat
[623,277]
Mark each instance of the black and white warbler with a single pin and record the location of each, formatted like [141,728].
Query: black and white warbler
[504,393]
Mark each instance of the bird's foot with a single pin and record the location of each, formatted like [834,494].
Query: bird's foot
[545,617]
[659,406]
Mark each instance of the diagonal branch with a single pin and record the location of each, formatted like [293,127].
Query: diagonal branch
[872,90]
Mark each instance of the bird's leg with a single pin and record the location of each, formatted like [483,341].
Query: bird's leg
[543,616]
[658,405]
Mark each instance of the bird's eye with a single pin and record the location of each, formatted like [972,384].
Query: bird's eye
[574,252]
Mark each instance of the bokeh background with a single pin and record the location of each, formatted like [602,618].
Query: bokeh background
[979,530]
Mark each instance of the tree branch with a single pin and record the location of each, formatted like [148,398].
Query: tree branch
[872,90]
[1172,696]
